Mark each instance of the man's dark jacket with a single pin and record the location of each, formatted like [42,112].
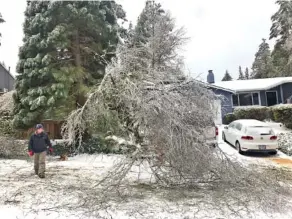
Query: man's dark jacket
[38,142]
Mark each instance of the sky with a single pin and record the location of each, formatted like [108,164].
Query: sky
[223,34]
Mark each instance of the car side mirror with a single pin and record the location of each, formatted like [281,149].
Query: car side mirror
[226,127]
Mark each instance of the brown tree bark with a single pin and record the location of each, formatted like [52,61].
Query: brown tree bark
[79,98]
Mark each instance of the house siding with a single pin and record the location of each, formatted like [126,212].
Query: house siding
[263,98]
[226,101]
[6,80]
[284,92]
[287,92]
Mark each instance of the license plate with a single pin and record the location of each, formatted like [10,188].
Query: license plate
[262,147]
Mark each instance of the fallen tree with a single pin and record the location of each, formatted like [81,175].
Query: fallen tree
[163,117]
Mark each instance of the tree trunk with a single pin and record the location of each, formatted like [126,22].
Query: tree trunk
[79,98]
[77,50]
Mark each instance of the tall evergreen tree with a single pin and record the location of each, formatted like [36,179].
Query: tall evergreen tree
[66,48]
[262,66]
[1,21]
[246,74]
[227,76]
[146,27]
[281,31]
[157,28]
[241,76]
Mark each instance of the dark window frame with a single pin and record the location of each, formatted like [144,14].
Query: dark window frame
[256,101]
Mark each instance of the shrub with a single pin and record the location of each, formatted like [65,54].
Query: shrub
[228,118]
[96,145]
[12,148]
[6,127]
[93,145]
[285,143]
[255,112]
[280,113]
[283,114]
[62,149]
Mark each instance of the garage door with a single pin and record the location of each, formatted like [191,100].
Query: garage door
[218,113]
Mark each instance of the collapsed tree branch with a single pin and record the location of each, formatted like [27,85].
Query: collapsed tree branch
[164,121]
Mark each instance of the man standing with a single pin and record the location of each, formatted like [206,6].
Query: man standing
[38,147]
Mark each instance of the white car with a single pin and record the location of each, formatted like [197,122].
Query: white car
[251,135]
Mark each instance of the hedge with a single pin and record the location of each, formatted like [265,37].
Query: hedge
[229,118]
[260,113]
[280,113]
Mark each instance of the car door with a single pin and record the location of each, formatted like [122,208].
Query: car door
[229,132]
[237,132]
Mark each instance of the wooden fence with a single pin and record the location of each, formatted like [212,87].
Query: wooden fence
[52,128]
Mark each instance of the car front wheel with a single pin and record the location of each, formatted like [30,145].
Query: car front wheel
[223,137]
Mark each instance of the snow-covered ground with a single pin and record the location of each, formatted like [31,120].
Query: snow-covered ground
[23,195]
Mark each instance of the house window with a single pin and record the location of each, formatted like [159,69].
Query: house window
[245,99]
[272,98]
[255,98]
[235,100]
[238,126]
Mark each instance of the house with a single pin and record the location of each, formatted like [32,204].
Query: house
[254,92]
[224,100]
[6,79]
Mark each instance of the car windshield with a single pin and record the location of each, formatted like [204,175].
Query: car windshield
[259,130]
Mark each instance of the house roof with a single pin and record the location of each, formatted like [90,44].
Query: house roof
[253,84]
[214,86]
[7,70]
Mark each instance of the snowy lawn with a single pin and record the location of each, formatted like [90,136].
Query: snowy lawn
[70,191]
[69,183]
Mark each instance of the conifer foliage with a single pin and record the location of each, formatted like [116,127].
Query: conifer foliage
[246,74]
[281,31]
[262,66]
[241,76]
[1,21]
[156,25]
[66,47]
[227,76]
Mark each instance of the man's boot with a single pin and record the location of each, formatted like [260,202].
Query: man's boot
[42,175]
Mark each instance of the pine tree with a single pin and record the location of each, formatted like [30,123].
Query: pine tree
[227,76]
[1,21]
[246,75]
[282,23]
[1,18]
[241,76]
[281,30]
[156,27]
[66,48]
[262,66]
[146,27]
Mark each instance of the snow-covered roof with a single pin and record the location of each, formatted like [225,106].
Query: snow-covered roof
[7,70]
[253,84]
[215,86]
[220,88]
